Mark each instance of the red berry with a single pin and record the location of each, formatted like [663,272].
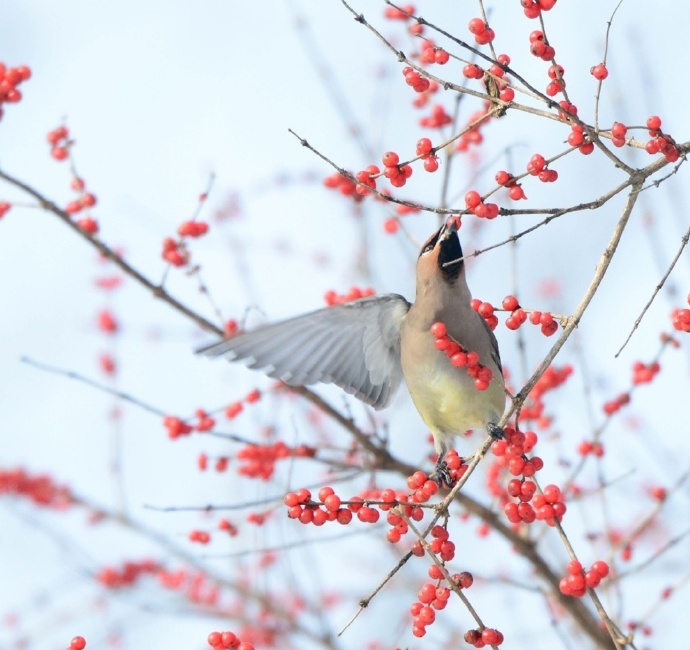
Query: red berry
[510,303]
[592,579]
[472,71]
[601,567]
[59,153]
[574,568]
[441,57]
[390,159]
[599,72]
[391,225]
[485,37]
[431,163]
[88,225]
[516,193]
[423,146]
[476,26]
[472,199]
[654,123]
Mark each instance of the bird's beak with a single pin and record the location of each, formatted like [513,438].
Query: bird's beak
[450,227]
[450,257]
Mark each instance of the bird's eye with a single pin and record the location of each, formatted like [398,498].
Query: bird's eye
[427,249]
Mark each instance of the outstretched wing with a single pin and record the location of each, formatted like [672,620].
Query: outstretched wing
[355,346]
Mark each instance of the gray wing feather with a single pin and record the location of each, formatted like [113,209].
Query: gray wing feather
[355,346]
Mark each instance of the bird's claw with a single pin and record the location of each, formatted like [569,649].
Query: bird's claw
[441,474]
[495,431]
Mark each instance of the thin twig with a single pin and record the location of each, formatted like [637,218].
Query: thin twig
[684,242]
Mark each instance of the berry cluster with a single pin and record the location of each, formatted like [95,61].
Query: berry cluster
[4,208]
[355,293]
[300,506]
[366,180]
[483,34]
[396,173]
[460,357]
[518,316]
[84,201]
[259,461]
[433,597]
[235,408]
[416,81]
[533,8]
[426,151]
[369,504]
[475,205]
[206,422]
[537,166]
[343,184]
[60,143]
[539,46]
[225,525]
[40,489]
[439,118]
[660,143]
[393,13]
[530,506]
[472,71]
[196,587]
[192,229]
[557,83]
[77,643]
[220,640]
[578,138]
[175,252]
[423,98]
[481,638]
[552,378]
[176,427]
[431,54]
[578,580]
[10,78]
[199,537]
[221,463]
[126,575]
[590,448]
[615,405]
[644,373]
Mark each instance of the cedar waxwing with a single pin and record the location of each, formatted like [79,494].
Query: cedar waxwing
[367,346]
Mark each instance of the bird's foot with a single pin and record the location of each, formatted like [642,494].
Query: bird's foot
[495,431]
[442,474]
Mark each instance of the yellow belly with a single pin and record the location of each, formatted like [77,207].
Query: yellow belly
[450,404]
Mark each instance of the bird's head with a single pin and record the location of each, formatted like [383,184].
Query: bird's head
[441,256]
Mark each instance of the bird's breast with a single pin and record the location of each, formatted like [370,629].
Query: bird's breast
[444,395]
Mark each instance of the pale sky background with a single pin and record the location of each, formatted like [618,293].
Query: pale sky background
[158,95]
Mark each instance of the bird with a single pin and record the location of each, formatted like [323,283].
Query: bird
[368,346]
